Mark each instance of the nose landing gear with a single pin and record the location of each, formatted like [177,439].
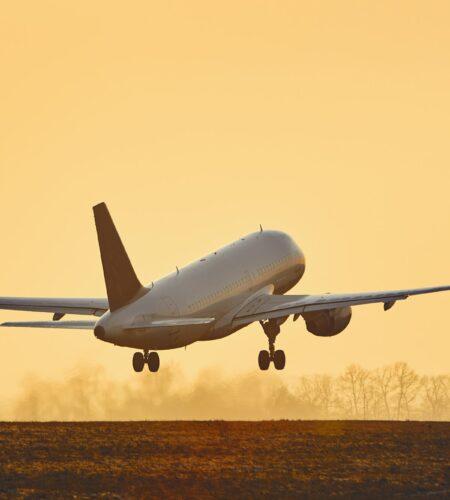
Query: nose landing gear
[271,329]
[149,358]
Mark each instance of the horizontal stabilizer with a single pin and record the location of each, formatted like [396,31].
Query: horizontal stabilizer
[68,325]
[171,322]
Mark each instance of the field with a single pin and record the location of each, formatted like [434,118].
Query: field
[225,459]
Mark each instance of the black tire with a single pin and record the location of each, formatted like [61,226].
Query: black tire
[279,359]
[153,361]
[138,361]
[264,360]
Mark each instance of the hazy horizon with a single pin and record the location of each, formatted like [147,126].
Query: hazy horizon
[395,392]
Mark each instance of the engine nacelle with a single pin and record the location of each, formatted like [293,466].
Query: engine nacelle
[328,322]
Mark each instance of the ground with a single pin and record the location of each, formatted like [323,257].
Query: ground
[225,459]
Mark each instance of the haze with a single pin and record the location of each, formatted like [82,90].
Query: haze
[196,122]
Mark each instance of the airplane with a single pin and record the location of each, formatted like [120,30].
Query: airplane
[209,299]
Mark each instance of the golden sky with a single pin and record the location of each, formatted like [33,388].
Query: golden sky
[197,121]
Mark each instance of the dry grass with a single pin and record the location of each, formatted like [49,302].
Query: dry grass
[224,459]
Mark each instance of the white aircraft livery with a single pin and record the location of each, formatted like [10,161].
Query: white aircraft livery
[207,300]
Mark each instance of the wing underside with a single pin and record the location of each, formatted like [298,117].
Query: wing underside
[268,306]
[90,307]
[66,325]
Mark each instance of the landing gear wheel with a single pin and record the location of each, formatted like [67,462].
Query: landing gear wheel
[153,361]
[138,361]
[264,360]
[279,359]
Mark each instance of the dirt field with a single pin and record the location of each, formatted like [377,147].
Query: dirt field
[225,459]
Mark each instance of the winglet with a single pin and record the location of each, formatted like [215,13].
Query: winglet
[122,284]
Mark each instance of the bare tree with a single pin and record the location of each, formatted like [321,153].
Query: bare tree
[436,396]
[383,380]
[317,392]
[306,394]
[324,387]
[356,392]
[348,397]
[407,385]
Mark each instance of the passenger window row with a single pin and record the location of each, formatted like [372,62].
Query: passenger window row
[228,289]
[217,295]
[277,265]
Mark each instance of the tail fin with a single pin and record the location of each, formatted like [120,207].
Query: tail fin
[122,284]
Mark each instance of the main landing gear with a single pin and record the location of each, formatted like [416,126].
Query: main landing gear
[149,358]
[271,329]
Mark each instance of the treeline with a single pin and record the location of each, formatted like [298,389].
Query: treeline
[394,392]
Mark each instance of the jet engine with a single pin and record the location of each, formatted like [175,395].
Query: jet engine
[327,322]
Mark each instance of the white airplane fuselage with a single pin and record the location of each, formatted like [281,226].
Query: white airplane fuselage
[217,285]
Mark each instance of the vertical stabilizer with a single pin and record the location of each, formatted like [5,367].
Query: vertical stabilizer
[122,284]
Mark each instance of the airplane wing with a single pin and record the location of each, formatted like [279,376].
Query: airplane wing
[268,306]
[95,307]
[68,325]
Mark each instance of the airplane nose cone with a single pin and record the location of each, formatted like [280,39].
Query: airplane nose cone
[99,332]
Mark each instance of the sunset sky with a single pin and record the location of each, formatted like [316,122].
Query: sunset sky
[197,121]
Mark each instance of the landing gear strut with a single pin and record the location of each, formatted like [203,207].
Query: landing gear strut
[271,329]
[149,358]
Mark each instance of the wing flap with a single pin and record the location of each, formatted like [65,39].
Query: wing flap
[94,307]
[68,325]
[276,306]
